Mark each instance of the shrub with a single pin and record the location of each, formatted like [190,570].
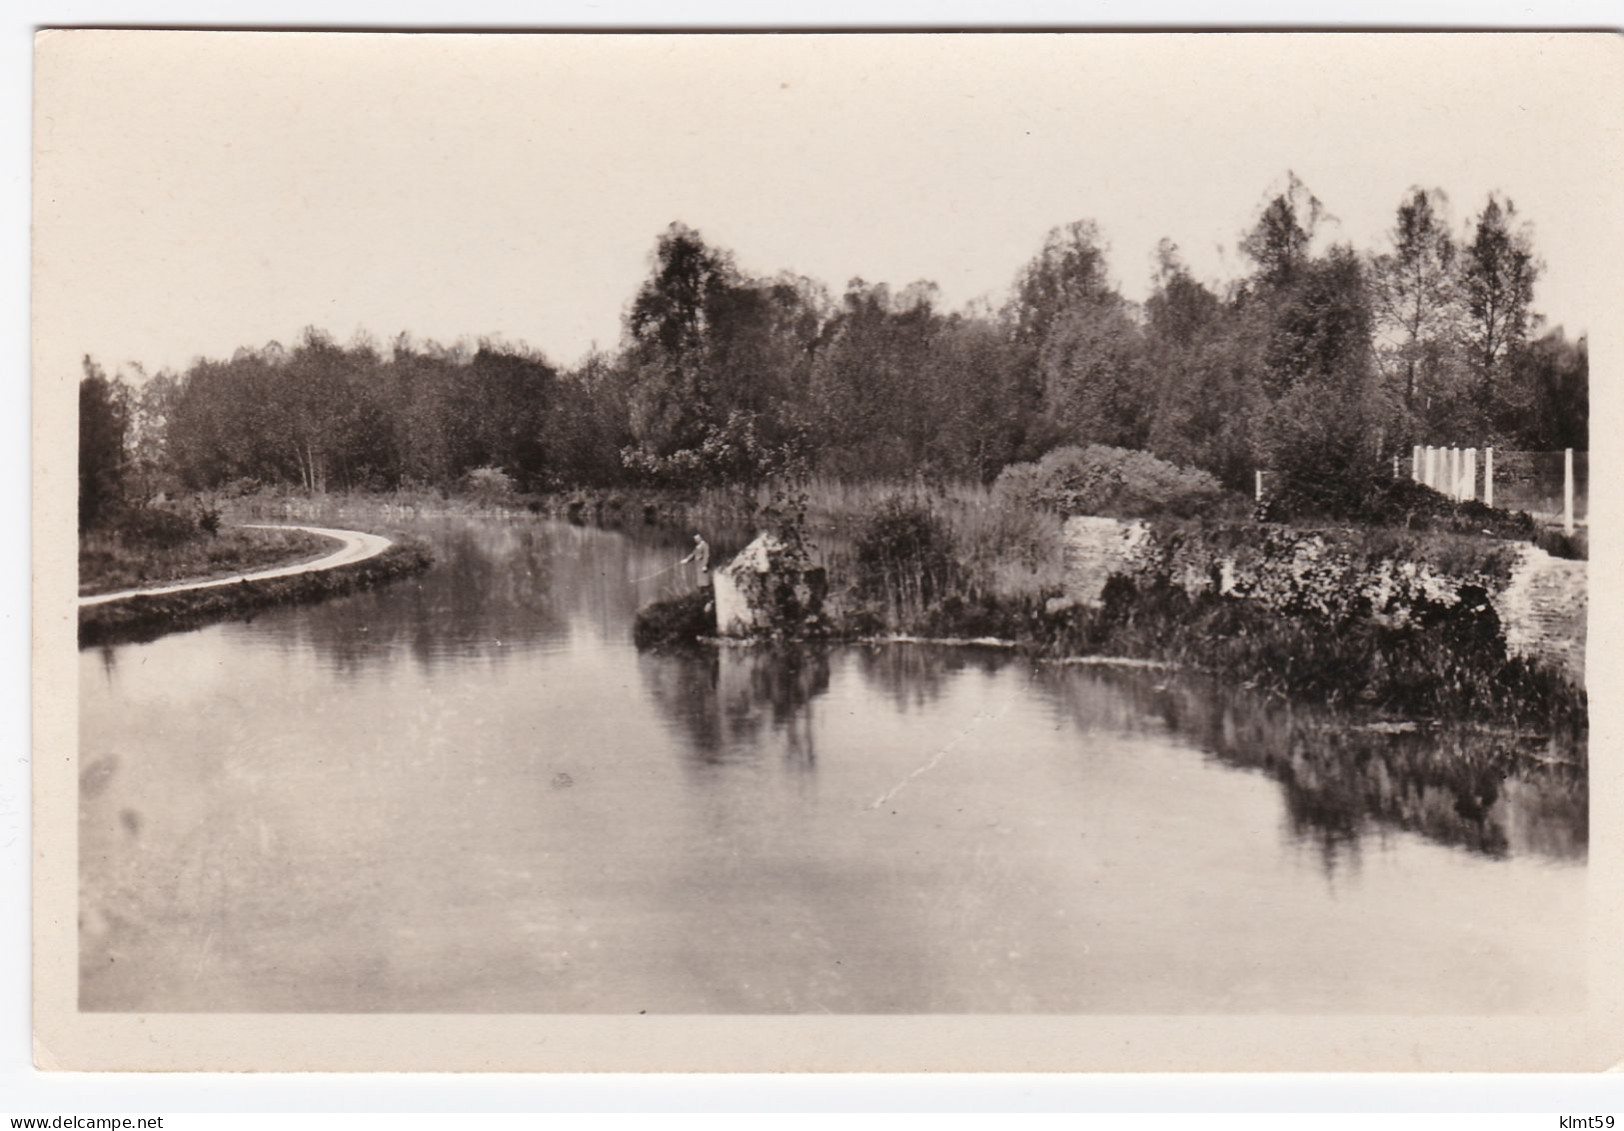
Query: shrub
[1382,500]
[1560,545]
[905,553]
[489,483]
[208,519]
[154,528]
[675,621]
[1100,480]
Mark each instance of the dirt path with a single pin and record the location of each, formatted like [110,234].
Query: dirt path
[357,547]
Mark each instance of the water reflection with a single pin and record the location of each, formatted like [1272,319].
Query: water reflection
[500,589]
[721,700]
[496,590]
[469,792]
[915,676]
[1340,781]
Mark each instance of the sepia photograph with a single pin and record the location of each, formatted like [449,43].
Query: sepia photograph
[822,551]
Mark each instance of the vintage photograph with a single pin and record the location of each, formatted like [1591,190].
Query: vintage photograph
[1090,529]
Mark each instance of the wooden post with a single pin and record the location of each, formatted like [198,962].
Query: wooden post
[1260,485]
[1470,478]
[1431,476]
[1567,491]
[1415,464]
[1488,477]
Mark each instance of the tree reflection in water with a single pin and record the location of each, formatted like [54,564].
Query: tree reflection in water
[1342,780]
[723,700]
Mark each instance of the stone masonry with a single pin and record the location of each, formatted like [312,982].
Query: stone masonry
[1542,607]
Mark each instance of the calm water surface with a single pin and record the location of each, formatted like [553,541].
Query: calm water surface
[468,792]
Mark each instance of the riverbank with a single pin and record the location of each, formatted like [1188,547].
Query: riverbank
[156,548]
[963,563]
[146,617]
[1434,649]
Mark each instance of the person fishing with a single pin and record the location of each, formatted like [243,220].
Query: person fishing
[700,556]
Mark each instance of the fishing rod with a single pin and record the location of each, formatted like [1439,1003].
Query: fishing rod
[656,573]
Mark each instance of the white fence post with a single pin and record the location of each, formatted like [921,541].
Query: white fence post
[1488,477]
[1471,474]
[1431,477]
[1415,464]
[1260,485]
[1567,491]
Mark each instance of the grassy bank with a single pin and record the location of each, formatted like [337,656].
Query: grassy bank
[146,618]
[149,547]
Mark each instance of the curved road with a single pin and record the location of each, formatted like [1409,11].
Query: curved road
[357,547]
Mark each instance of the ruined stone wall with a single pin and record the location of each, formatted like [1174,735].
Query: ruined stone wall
[1541,601]
[1544,609]
[765,590]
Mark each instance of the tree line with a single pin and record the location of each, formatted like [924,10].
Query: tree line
[722,376]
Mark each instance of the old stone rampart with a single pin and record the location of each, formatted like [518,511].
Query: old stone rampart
[1541,601]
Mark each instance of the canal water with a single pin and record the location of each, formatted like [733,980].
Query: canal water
[468,792]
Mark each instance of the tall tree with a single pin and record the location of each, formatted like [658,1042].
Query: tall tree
[1280,239]
[1068,272]
[1096,385]
[104,420]
[1497,285]
[1555,375]
[669,331]
[873,382]
[1310,313]
[1208,400]
[1413,285]
[1072,338]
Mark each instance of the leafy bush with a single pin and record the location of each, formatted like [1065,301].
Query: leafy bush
[906,554]
[1560,545]
[1381,500]
[489,483]
[154,527]
[1323,461]
[1100,480]
[675,621]
[208,519]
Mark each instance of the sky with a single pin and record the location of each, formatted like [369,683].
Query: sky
[196,192]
